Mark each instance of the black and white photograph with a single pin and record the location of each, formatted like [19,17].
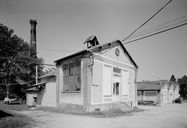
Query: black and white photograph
[93,63]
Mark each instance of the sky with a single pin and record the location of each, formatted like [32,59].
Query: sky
[63,26]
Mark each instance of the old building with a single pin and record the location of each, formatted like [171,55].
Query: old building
[43,93]
[176,89]
[98,78]
[153,91]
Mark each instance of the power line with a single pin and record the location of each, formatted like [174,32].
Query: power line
[155,33]
[161,26]
[146,21]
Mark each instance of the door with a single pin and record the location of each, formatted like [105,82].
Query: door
[116,90]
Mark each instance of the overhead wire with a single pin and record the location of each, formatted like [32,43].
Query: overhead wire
[161,26]
[156,33]
[142,24]
[147,21]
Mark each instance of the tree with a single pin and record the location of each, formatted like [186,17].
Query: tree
[183,86]
[16,65]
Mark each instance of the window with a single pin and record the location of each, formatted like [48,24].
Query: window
[116,88]
[72,76]
[150,93]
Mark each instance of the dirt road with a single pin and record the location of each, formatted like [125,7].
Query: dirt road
[168,116]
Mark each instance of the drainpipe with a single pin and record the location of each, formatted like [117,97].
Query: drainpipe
[135,82]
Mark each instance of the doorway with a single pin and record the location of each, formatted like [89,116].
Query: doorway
[116,91]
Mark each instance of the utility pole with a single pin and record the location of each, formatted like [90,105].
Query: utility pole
[8,79]
[36,74]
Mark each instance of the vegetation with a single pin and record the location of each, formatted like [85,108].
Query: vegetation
[17,68]
[183,86]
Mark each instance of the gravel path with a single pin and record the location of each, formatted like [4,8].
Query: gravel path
[168,116]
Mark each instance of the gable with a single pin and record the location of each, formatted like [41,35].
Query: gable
[116,53]
[165,86]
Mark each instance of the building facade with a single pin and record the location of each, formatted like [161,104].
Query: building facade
[153,91]
[98,78]
[43,93]
[158,92]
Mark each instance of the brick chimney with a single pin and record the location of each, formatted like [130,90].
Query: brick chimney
[33,51]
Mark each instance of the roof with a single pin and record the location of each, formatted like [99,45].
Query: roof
[49,74]
[99,48]
[72,55]
[151,85]
[35,87]
[89,38]
[175,84]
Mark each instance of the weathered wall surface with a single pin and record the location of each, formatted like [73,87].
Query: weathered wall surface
[71,98]
[30,98]
[49,96]
[97,83]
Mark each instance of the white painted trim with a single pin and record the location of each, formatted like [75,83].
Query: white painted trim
[112,65]
[113,59]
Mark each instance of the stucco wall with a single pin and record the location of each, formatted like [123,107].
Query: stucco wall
[72,98]
[97,81]
[30,98]
[49,95]
[122,57]
[164,96]
[170,94]
[123,63]
[176,92]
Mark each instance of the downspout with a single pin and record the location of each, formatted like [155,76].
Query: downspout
[135,82]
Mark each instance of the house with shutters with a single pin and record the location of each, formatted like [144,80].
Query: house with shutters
[101,77]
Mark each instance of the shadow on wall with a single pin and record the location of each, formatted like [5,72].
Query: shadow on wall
[4,114]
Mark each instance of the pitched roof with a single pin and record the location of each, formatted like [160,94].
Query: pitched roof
[150,85]
[175,84]
[99,48]
[35,87]
[72,55]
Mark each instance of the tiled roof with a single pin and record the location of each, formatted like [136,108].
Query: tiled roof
[150,85]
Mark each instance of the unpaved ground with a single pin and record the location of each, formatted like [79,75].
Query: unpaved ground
[168,116]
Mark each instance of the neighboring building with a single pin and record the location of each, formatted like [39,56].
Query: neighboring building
[170,92]
[43,93]
[176,89]
[47,95]
[153,91]
[32,94]
[98,78]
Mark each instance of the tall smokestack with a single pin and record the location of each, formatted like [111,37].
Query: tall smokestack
[33,52]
